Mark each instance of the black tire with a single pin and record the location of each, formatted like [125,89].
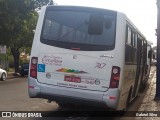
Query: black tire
[67,105]
[3,77]
[142,87]
[128,99]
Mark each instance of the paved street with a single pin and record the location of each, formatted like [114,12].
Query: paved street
[14,97]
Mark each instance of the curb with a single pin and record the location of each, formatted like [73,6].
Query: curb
[11,76]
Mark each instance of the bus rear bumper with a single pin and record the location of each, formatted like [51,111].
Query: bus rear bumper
[72,96]
[111,98]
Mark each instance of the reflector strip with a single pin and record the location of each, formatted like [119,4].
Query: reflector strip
[31,87]
[112,97]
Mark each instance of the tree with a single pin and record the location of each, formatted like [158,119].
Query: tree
[17,21]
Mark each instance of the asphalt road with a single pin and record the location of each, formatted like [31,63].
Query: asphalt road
[14,97]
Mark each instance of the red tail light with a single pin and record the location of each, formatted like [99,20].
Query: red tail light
[115,76]
[33,67]
[75,48]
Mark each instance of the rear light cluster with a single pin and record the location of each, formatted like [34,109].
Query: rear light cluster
[115,76]
[33,67]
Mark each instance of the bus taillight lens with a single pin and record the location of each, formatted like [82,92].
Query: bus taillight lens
[115,76]
[33,67]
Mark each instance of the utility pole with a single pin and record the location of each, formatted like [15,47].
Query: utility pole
[157,96]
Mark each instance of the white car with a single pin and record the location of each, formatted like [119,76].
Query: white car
[3,74]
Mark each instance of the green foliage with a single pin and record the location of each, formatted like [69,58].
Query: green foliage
[2,57]
[17,22]
[10,61]
[25,49]
[23,61]
[18,19]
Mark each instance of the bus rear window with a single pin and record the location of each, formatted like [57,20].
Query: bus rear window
[75,29]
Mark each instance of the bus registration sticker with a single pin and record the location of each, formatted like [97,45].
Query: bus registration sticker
[72,79]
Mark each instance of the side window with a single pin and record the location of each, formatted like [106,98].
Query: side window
[131,46]
[135,39]
[128,49]
[129,35]
[134,47]
[142,52]
[145,52]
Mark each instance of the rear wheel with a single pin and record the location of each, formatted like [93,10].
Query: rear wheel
[142,87]
[129,98]
[3,77]
[66,105]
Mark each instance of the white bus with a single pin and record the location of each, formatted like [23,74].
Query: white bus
[84,55]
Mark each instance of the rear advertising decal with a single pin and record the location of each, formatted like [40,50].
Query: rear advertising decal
[66,70]
[52,60]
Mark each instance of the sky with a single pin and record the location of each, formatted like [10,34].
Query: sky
[143,13]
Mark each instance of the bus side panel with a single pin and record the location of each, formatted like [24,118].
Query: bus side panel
[119,54]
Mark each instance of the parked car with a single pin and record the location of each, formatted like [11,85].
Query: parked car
[3,74]
[24,69]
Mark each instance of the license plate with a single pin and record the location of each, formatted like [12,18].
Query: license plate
[72,79]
